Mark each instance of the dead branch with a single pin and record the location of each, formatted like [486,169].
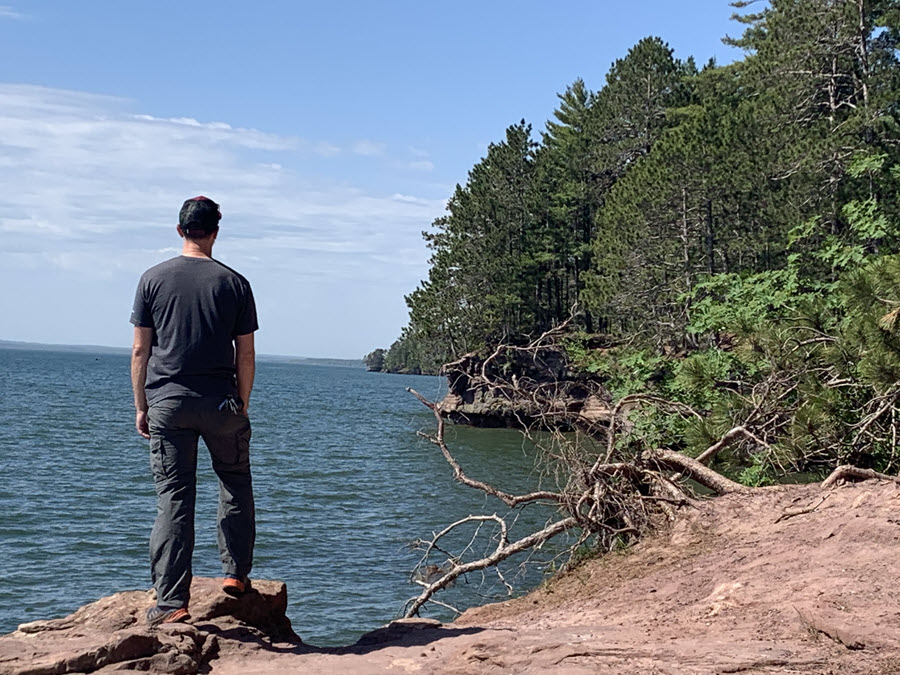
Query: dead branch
[790,513]
[848,472]
[675,461]
[458,474]
[502,553]
[432,545]
[710,453]
[531,346]
[639,398]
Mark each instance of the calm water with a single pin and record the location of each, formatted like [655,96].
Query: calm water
[342,485]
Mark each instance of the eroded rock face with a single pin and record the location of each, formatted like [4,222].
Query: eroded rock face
[530,388]
[112,635]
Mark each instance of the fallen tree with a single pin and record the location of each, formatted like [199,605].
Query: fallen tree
[609,488]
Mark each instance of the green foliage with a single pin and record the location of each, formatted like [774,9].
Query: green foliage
[758,473]
[375,360]
[741,302]
[628,371]
[730,233]
[696,378]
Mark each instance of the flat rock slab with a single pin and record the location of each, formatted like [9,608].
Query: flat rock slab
[112,634]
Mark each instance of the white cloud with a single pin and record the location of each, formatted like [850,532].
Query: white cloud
[369,148]
[82,173]
[421,165]
[7,12]
[326,149]
[409,199]
[220,131]
[91,193]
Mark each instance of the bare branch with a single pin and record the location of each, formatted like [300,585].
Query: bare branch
[675,461]
[501,554]
[710,453]
[639,398]
[458,474]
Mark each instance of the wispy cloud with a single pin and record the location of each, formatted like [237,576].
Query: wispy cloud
[369,148]
[91,192]
[222,132]
[7,12]
[85,177]
[421,165]
[325,149]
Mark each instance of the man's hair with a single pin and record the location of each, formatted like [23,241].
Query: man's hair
[199,217]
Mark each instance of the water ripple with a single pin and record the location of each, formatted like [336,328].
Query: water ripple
[342,484]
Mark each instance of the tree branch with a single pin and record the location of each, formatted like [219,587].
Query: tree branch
[501,554]
[675,461]
[458,474]
[710,453]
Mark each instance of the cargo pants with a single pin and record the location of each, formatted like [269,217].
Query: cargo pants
[176,425]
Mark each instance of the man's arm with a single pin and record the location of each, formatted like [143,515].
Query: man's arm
[140,355]
[245,363]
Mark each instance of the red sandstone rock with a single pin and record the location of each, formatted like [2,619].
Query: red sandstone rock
[732,588]
[111,634]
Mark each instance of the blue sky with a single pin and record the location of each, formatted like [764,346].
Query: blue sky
[331,133]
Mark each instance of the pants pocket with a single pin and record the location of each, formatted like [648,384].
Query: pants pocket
[173,455]
[229,443]
[157,458]
[243,445]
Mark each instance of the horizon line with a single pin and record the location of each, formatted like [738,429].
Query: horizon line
[89,346]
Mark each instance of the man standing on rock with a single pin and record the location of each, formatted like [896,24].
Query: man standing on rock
[192,368]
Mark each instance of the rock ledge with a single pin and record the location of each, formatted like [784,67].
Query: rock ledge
[111,634]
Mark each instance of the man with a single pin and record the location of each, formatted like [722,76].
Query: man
[192,369]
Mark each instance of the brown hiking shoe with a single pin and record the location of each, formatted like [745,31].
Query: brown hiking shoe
[236,587]
[159,615]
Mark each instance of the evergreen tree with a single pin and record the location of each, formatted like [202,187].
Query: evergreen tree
[670,194]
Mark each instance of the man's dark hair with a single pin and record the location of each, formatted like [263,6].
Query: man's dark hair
[199,217]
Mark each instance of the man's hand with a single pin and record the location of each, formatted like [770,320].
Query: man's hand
[140,423]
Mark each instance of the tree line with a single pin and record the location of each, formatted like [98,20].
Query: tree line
[641,198]
[727,234]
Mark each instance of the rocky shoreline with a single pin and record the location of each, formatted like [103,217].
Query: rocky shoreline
[789,579]
[536,388]
[224,634]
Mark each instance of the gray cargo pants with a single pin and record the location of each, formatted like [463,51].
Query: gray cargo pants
[176,424]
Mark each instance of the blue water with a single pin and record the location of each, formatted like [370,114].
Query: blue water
[342,483]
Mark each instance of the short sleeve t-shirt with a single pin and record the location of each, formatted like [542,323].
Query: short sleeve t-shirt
[196,307]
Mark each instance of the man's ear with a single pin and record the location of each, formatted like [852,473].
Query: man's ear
[180,231]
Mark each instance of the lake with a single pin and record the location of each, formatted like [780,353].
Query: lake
[342,481]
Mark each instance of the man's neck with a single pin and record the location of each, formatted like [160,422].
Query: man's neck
[192,249]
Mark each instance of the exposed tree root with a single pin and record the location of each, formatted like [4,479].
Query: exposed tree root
[675,461]
[848,472]
[790,513]
[608,487]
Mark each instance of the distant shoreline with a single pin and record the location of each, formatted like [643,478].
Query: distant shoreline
[124,351]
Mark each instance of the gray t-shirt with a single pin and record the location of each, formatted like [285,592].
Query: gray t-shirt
[196,307]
